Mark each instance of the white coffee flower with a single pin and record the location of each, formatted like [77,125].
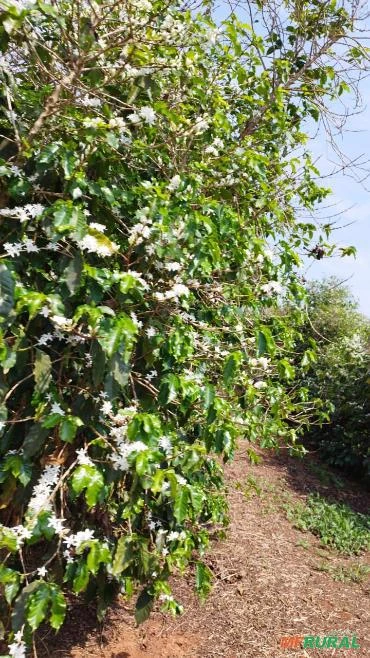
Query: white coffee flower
[211,150]
[98,227]
[218,143]
[117,122]
[263,362]
[45,339]
[172,536]
[57,524]
[77,193]
[13,248]
[134,117]
[61,321]
[165,597]
[57,409]
[89,101]
[42,571]
[106,408]
[151,375]
[124,449]
[147,113]
[91,244]
[138,233]
[165,487]
[173,267]
[271,287]
[174,183]
[40,500]
[76,540]
[201,125]
[177,290]
[83,458]
[165,443]
[17,650]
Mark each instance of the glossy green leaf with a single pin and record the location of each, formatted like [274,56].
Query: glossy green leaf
[42,371]
[89,479]
[143,606]
[6,291]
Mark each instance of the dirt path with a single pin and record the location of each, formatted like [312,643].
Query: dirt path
[270,581]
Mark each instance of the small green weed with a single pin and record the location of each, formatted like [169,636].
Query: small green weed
[335,524]
[252,487]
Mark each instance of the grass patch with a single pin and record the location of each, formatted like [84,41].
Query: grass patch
[352,573]
[335,524]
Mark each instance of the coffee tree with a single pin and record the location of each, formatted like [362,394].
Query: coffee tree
[152,159]
[340,376]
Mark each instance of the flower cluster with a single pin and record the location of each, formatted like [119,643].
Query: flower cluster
[24,213]
[93,245]
[142,229]
[145,113]
[178,290]
[41,494]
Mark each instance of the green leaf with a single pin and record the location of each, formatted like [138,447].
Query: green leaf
[98,554]
[143,606]
[19,609]
[181,505]
[285,369]
[209,396]
[69,427]
[142,463]
[265,341]
[52,420]
[231,365]
[123,556]
[261,343]
[10,579]
[73,273]
[6,291]
[203,579]
[68,161]
[117,335]
[81,578]
[98,362]
[120,370]
[8,539]
[89,478]
[108,194]
[37,605]
[58,607]
[34,440]
[169,389]
[42,371]
[69,218]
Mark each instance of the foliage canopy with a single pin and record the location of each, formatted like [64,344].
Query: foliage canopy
[340,376]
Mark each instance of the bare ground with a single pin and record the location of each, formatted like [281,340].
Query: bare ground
[270,581]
